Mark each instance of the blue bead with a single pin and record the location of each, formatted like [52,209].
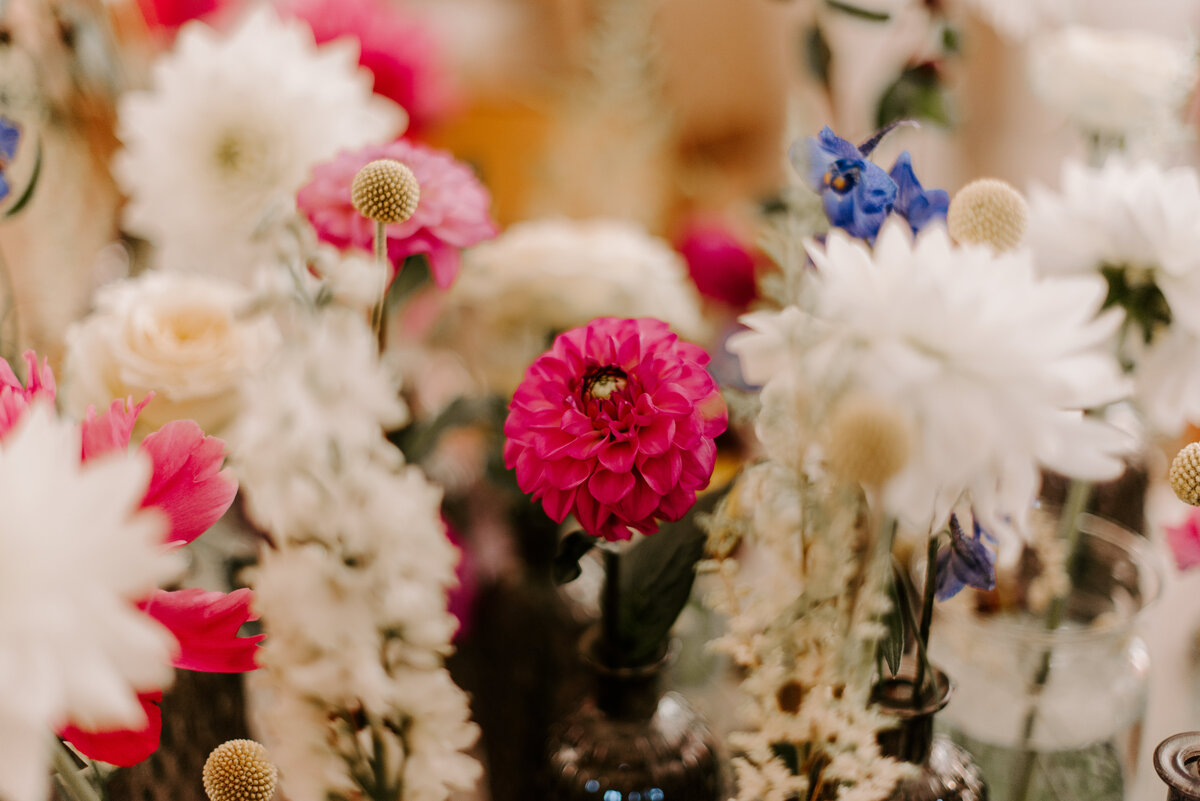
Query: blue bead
[592,785]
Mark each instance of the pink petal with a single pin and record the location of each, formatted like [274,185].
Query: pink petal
[206,625]
[1184,541]
[123,747]
[662,472]
[608,487]
[188,483]
[655,439]
[569,473]
[557,503]
[639,504]
[618,456]
[110,431]
[672,400]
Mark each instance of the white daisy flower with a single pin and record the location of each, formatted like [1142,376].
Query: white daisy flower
[1136,225]
[544,277]
[75,557]
[228,131]
[1125,85]
[992,365]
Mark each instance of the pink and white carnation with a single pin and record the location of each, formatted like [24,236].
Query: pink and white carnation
[615,424]
[1184,540]
[453,212]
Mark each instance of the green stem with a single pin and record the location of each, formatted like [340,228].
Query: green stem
[382,262]
[1068,532]
[610,607]
[70,779]
[926,616]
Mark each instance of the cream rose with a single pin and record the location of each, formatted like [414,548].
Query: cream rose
[181,336]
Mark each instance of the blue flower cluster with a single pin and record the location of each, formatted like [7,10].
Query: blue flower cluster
[10,136]
[967,560]
[858,195]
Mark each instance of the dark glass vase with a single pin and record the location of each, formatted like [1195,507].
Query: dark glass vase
[1177,760]
[630,741]
[945,771]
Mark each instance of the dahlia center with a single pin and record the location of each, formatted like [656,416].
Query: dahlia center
[602,382]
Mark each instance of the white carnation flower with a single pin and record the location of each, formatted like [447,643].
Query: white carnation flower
[228,132]
[186,338]
[1137,222]
[992,365]
[75,557]
[1129,85]
[540,278]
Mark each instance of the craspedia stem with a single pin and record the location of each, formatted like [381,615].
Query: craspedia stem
[1185,474]
[239,770]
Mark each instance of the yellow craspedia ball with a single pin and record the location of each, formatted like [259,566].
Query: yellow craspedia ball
[385,191]
[988,212]
[238,770]
[1185,474]
[868,441]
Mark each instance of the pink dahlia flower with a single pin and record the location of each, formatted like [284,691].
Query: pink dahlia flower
[452,213]
[188,485]
[402,54]
[1184,540]
[615,424]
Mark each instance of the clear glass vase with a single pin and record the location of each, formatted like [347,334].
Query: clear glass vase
[630,741]
[1055,714]
[944,771]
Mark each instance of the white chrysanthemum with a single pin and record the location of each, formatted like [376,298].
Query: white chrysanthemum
[544,277]
[1140,220]
[189,339]
[1127,84]
[75,557]
[229,131]
[991,365]
[1018,19]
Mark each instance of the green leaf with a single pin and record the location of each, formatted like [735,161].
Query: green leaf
[917,94]
[656,582]
[857,11]
[27,195]
[571,549]
[891,646]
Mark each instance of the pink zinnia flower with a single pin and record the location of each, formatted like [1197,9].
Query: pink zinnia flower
[188,485]
[720,266]
[1184,540]
[615,424]
[402,53]
[452,213]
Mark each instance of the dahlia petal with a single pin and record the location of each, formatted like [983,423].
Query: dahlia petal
[569,473]
[662,472]
[552,443]
[598,520]
[639,504]
[112,430]
[187,481]
[613,530]
[676,504]
[671,398]
[513,449]
[608,487]
[557,503]
[206,625]
[122,747]
[655,439]
[617,456]
[698,464]
[587,446]
[530,470]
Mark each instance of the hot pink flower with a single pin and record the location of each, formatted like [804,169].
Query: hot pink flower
[452,213]
[189,486]
[402,54]
[15,398]
[615,424]
[1184,540]
[720,266]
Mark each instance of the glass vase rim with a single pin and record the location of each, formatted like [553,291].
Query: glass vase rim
[936,703]
[1151,575]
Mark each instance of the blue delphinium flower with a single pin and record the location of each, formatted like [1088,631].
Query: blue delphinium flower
[917,205]
[966,560]
[10,136]
[857,194]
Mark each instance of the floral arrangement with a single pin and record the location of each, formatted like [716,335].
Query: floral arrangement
[531,407]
